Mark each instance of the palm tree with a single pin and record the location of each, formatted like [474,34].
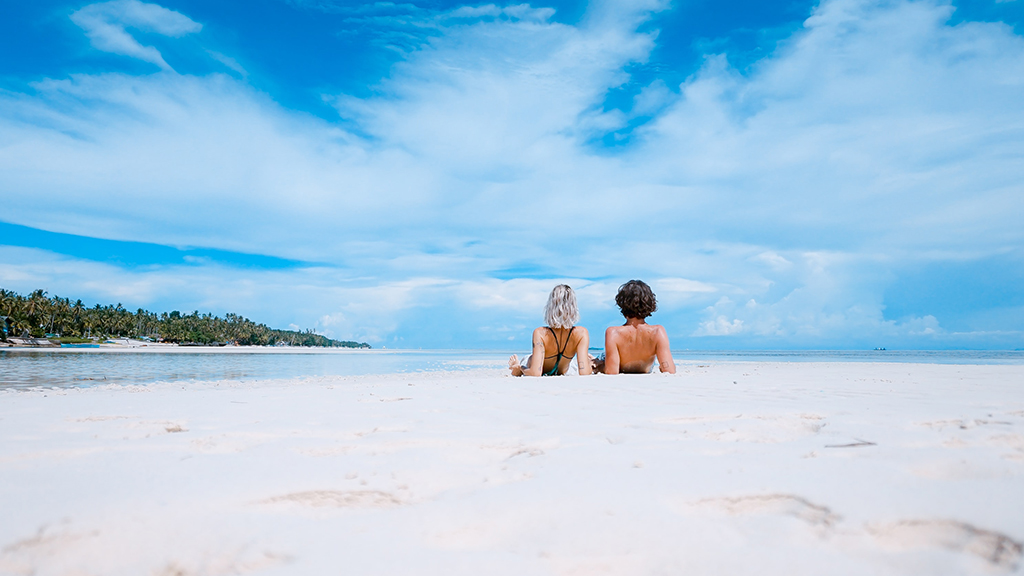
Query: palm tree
[76,321]
[38,311]
[35,307]
[8,300]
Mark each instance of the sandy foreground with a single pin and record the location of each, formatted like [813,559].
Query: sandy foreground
[725,468]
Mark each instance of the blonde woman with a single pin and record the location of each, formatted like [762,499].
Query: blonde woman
[555,345]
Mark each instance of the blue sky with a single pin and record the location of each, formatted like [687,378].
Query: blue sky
[843,174]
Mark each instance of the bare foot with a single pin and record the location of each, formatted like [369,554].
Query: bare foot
[513,365]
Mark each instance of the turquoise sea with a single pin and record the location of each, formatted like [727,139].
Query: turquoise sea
[69,367]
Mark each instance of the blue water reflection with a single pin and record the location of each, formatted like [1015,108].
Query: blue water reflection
[76,367]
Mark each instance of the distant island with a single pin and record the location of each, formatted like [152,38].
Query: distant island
[39,316]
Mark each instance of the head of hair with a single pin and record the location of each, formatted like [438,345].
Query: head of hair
[561,310]
[636,299]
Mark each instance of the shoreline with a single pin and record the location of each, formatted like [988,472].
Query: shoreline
[957,356]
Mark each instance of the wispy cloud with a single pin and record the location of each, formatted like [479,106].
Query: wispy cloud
[229,62]
[106,25]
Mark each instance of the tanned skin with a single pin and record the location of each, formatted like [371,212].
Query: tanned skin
[632,348]
[544,345]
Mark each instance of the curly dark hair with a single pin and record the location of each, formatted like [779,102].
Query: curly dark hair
[636,299]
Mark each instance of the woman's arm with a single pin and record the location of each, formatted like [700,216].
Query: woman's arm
[583,352]
[611,352]
[536,367]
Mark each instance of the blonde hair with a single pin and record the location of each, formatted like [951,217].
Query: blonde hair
[561,310]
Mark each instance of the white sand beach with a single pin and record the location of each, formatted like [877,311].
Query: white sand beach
[724,468]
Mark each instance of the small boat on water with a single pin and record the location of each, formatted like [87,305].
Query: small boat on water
[29,342]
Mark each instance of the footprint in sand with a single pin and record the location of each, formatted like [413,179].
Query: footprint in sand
[52,549]
[48,540]
[1005,439]
[134,427]
[529,451]
[224,563]
[101,418]
[338,499]
[998,550]
[781,504]
[1013,441]
[26,555]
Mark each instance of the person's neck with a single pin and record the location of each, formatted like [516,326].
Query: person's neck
[635,321]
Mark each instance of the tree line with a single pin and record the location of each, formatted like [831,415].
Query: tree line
[38,315]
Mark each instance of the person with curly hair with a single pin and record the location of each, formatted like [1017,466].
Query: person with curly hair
[559,346]
[632,347]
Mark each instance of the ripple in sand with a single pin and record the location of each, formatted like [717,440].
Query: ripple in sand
[754,428]
[338,499]
[964,424]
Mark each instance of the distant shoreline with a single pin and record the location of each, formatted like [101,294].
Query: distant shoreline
[967,357]
[176,348]
[37,319]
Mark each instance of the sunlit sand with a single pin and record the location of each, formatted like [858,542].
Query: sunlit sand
[724,468]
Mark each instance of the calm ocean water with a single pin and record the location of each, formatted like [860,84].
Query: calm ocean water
[81,367]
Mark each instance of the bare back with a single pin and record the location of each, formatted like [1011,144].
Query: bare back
[632,348]
[554,340]
[554,349]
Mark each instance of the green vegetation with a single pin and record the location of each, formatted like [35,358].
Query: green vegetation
[39,315]
[71,340]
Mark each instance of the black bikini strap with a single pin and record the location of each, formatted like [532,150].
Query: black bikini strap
[560,346]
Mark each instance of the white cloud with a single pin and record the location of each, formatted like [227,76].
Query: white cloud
[720,326]
[527,12]
[652,98]
[674,293]
[105,24]
[475,11]
[682,285]
[831,298]
[131,155]
[773,259]
[877,125]
[229,62]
